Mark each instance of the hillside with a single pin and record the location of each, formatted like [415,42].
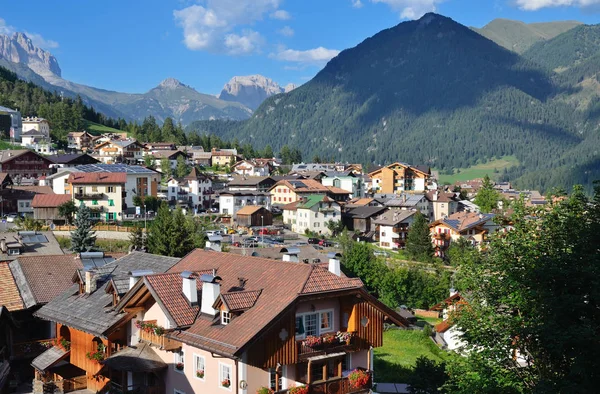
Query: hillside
[427,92]
[518,36]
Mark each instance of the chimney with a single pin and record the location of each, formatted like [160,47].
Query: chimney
[90,282]
[334,263]
[435,195]
[211,290]
[134,276]
[241,282]
[189,289]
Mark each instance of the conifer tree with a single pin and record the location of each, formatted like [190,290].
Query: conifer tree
[136,238]
[487,197]
[418,241]
[83,238]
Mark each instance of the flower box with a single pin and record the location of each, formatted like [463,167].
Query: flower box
[359,379]
[200,373]
[179,366]
[298,390]
[226,383]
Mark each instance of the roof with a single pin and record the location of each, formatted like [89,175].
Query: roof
[405,200]
[49,358]
[73,157]
[4,177]
[35,189]
[41,278]
[6,155]
[167,154]
[441,196]
[364,212]
[9,292]
[83,178]
[420,169]
[115,168]
[260,274]
[393,217]
[313,200]
[250,180]
[249,210]
[461,221]
[196,174]
[34,244]
[49,200]
[359,202]
[291,206]
[139,358]
[240,300]
[303,185]
[275,253]
[33,132]
[87,312]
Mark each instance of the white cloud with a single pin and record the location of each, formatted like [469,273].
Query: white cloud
[316,56]
[35,38]
[533,5]
[357,4]
[286,31]
[214,26]
[281,15]
[411,9]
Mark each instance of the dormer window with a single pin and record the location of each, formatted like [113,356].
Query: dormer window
[225,317]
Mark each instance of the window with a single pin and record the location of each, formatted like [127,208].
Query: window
[94,189]
[179,361]
[347,362]
[225,317]
[94,202]
[199,363]
[112,216]
[326,321]
[225,376]
[275,382]
[110,189]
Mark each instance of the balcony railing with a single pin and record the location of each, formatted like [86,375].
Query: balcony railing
[161,341]
[89,196]
[334,386]
[444,236]
[325,344]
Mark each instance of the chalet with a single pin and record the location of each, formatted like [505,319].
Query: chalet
[80,140]
[194,190]
[287,191]
[252,216]
[45,206]
[18,199]
[223,157]
[473,227]
[392,228]
[446,334]
[221,322]
[400,177]
[170,155]
[312,213]
[152,146]
[251,183]
[230,202]
[90,330]
[442,204]
[24,165]
[120,151]
[361,219]
[101,192]
[36,141]
[406,201]
[199,156]
[347,180]
[72,160]
[253,167]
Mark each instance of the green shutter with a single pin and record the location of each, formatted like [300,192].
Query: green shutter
[94,202]
[107,217]
[111,203]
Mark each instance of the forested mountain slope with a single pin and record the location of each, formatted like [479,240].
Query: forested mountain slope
[432,92]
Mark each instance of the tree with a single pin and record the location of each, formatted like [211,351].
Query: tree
[427,377]
[487,197]
[172,234]
[136,238]
[149,161]
[335,227]
[67,210]
[152,203]
[165,167]
[138,201]
[29,224]
[182,168]
[268,152]
[83,238]
[418,241]
[535,291]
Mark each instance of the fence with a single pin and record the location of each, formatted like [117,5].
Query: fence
[106,227]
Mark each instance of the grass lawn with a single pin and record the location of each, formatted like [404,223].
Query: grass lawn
[97,129]
[106,245]
[430,320]
[395,360]
[6,145]
[480,170]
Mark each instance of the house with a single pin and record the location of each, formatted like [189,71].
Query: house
[45,206]
[230,202]
[446,333]
[313,167]
[199,156]
[15,125]
[38,124]
[152,146]
[72,160]
[170,155]
[101,192]
[223,157]
[400,177]
[252,167]
[228,324]
[127,151]
[471,226]
[393,228]
[24,166]
[251,183]
[312,213]
[347,180]
[36,141]
[406,201]
[254,216]
[363,202]
[90,329]
[194,190]
[361,219]
[80,140]
[18,199]
[286,191]
[441,204]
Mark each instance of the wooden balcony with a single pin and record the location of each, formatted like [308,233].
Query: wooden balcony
[90,196]
[160,341]
[442,236]
[333,386]
[305,351]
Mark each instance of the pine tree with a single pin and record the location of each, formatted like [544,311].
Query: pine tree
[136,238]
[182,168]
[487,197]
[83,238]
[172,234]
[418,241]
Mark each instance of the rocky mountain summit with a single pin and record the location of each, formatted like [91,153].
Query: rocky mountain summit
[18,48]
[252,90]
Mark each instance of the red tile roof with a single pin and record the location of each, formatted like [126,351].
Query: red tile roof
[49,200]
[240,300]
[9,292]
[80,178]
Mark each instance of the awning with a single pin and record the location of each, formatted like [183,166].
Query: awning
[140,358]
[49,358]
[326,356]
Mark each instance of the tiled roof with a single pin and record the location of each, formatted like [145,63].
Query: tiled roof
[72,157]
[302,185]
[49,200]
[249,210]
[443,326]
[249,180]
[291,206]
[240,300]
[115,168]
[393,217]
[6,155]
[41,278]
[337,190]
[461,221]
[441,196]
[9,292]
[313,200]
[364,212]
[167,154]
[85,178]
[281,284]
[35,189]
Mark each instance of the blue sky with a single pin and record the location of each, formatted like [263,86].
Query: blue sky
[131,45]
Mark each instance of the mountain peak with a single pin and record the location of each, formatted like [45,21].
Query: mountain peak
[18,48]
[171,83]
[250,90]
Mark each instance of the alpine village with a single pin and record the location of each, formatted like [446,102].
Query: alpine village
[421,216]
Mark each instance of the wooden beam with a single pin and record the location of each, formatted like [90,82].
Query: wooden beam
[308,373]
[135,309]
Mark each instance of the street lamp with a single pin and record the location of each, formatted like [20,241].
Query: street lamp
[145,213]
[262,230]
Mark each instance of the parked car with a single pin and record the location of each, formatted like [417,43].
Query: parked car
[314,241]
[236,244]
[211,233]
[276,211]
[213,210]
[251,244]
[253,239]
[325,243]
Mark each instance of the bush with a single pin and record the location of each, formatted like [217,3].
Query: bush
[427,331]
